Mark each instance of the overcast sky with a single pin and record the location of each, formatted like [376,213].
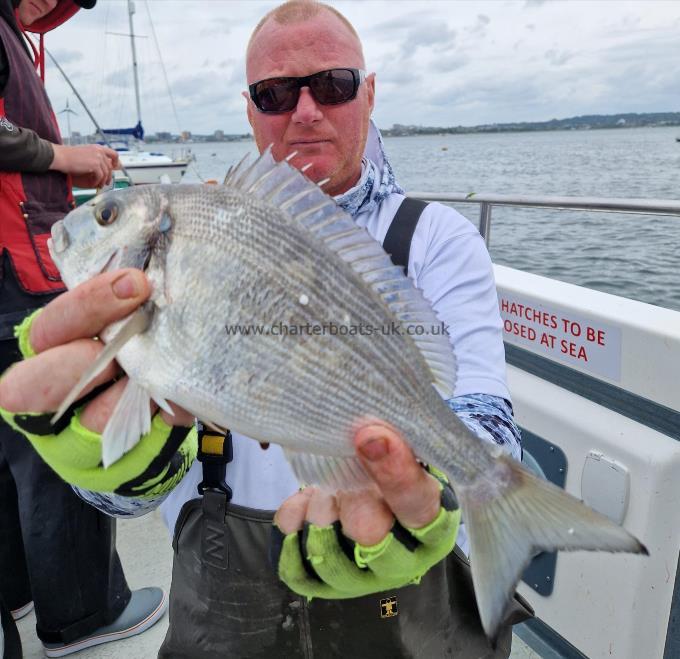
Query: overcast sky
[438,63]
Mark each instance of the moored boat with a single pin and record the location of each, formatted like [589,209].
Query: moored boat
[145,167]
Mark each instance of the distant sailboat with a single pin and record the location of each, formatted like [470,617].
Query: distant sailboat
[144,166]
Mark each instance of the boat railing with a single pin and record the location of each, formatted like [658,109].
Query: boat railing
[486,202]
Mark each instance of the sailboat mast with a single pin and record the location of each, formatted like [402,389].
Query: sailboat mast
[131,11]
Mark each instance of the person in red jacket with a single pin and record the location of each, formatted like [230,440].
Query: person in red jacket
[55,551]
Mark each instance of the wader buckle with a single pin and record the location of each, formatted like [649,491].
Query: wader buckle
[215,451]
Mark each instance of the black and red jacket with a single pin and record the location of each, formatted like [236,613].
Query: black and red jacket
[30,202]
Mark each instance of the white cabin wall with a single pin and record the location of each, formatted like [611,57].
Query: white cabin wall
[608,605]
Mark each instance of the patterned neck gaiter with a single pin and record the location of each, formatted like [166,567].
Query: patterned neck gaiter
[365,195]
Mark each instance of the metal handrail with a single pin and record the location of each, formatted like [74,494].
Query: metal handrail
[596,204]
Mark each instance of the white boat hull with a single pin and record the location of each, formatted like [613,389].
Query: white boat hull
[143,174]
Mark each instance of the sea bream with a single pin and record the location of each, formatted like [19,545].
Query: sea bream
[271,248]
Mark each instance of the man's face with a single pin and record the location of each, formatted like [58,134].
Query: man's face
[330,137]
[31,10]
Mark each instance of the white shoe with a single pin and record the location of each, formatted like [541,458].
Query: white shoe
[22,611]
[145,608]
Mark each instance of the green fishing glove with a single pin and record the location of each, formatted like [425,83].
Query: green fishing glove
[153,467]
[323,562]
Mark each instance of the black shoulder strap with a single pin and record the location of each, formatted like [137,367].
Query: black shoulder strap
[215,451]
[397,241]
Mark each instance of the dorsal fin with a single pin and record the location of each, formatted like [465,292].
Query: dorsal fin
[234,172]
[286,188]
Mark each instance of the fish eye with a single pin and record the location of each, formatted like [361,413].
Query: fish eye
[106,213]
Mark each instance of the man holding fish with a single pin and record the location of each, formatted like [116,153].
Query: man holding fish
[350,558]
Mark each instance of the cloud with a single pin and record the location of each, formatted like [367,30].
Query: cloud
[396,75]
[428,35]
[415,31]
[199,84]
[121,78]
[67,56]
[237,73]
[451,62]
[396,24]
[501,92]
[437,63]
[558,58]
[219,27]
[480,27]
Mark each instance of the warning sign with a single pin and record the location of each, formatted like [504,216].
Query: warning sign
[573,339]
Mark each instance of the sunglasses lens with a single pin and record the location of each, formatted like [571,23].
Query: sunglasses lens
[276,95]
[328,88]
[334,86]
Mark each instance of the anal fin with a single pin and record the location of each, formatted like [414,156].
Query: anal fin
[331,472]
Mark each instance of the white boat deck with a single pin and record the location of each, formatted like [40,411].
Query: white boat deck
[145,550]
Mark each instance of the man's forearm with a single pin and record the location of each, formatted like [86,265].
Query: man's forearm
[491,419]
[21,150]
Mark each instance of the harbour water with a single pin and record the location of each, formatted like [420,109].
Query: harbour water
[625,254]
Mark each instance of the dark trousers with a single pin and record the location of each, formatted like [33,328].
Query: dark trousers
[9,634]
[227,601]
[54,548]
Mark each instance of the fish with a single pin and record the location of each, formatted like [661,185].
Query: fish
[270,248]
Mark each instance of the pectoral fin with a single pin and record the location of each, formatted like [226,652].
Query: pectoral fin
[130,420]
[137,323]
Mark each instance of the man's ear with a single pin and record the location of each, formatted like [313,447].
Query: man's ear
[370,90]
[249,107]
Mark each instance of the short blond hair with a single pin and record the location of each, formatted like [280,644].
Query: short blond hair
[298,11]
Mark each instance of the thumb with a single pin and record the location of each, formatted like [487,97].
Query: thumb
[409,491]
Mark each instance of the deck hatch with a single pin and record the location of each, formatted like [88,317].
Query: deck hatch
[540,573]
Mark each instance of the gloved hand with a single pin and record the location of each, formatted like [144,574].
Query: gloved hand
[153,467]
[72,448]
[317,557]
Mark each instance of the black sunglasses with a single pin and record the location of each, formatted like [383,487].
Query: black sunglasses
[329,87]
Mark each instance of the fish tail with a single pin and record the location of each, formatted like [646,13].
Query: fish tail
[512,518]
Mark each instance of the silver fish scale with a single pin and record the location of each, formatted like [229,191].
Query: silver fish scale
[255,265]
